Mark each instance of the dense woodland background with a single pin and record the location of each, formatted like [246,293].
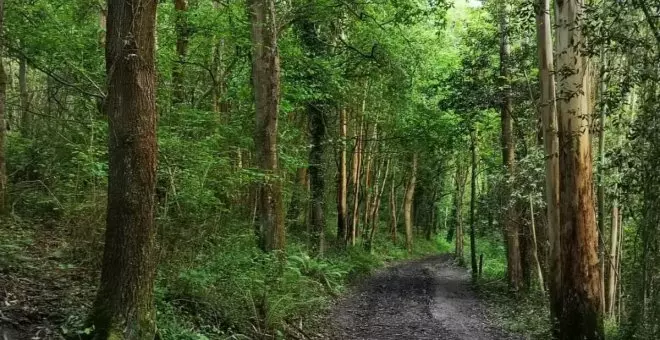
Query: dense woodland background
[300,144]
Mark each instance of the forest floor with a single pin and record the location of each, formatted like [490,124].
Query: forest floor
[429,298]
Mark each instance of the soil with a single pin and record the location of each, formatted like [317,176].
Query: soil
[424,299]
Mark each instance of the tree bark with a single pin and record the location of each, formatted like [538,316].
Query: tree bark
[548,109]
[393,215]
[613,259]
[342,180]
[473,202]
[408,202]
[378,191]
[26,124]
[535,250]
[266,85]
[3,124]
[356,173]
[317,176]
[461,178]
[581,284]
[182,38]
[511,215]
[601,174]
[124,307]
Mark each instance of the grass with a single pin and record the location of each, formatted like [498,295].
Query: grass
[525,312]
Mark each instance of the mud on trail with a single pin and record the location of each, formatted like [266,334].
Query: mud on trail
[424,299]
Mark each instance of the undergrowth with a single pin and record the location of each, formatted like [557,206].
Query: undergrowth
[234,290]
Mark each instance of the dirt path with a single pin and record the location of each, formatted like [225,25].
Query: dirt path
[425,299]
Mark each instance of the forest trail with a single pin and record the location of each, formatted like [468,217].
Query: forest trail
[429,298]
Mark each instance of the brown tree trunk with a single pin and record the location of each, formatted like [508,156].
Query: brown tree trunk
[3,125]
[581,284]
[600,193]
[379,189]
[511,215]
[124,307]
[266,85]
[613,259]
[393,215]
[356,173]
[548,111]
[473,202]
[299,197]
[342,180]
[317,176]
[535,250]
[182,37]
[26,124]
[461,178]
[408,202]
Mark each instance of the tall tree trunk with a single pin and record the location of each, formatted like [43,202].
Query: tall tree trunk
[511,215]
[378,192]
[461,178]
[548,111]
[266,84]
[613,259]
[535,249]
[124,307]
[473,202]
[317,176]
[342,180]
[297,211]
[357,169]
[182,37]
[393,215]
[26,124]
[408,202]
[3,124]
[581,313]
[601,174]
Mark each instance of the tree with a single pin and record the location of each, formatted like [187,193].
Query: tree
[407,204]
[342,180]
[473,201]
[548,112]
[3,92]
[317,175]
[182,37]
[266,87]
[581,306]
[511,215]
[124,307]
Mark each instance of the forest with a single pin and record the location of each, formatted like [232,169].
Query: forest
[329,169]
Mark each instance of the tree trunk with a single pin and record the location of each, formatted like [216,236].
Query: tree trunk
[124,307]
[581,317]
[548,110]
[26,124]
[511,215]
[535,250]
[601,175]
[266,85]
[393,219]
[357,168]
[378,191]
[473,202]
[613,259]
[3,125]
[182,37]
[461,177]
[317,176]
[408,202]
[342,180]
[299,198]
